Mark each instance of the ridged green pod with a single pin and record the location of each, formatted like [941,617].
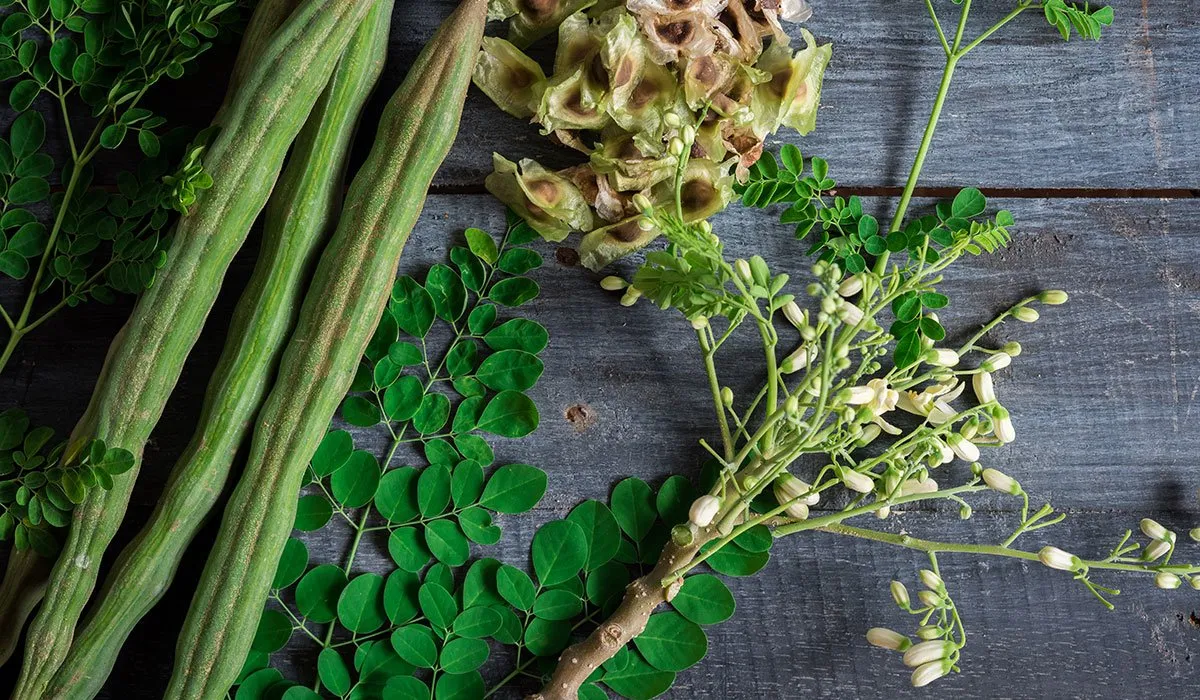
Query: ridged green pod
[300,215]
[257,125]
[340,313]
[26,573]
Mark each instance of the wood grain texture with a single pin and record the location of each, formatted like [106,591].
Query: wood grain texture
[1104,398]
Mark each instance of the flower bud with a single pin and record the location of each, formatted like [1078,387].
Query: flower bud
[703,510]
[699,323]
[929,599]
[912,487]
[727,396]
[932,581]
[630,297]
[869,433]
[742,268]
[1194,533]
[885,638]
[996,362]
[1194,582]
[923,653]
[965,512]
[1026,314]
[856,481]
[791,406]
[850,314]
[964,448]
[788,488]
[808,333]
[850,286]
[1155,549]
[1012,348]
[612,283]
[797,361]
[1053,297]
[942,357]
[1167,581]
[945,454]
[1151,529]
[645,223]
[1002,426]
[1056,558]
[672,120]
[858,395]
[642,203]
[794,315]
[675,146]
[688,133]
[928,632]
[985,389]
[997,480]
[900,594]
[930,672]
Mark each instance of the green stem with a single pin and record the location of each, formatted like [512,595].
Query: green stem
[715,385]
[994,28]
[996,550]
[938,23]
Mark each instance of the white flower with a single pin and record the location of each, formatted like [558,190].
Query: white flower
[997,480]
[859,395]
[928,673]
[1156,549]
[996,362]
[945,454]
[942,357]
[1056,558]
[798,360]
[789,492]
[1167,581]
[1002,426]
[869,433]
[1155,531]
[850,286]
[923,653]
[850,314]
[795,315]
[885,638]
[856,481]
[703,510]
[912,487]
[964,448]
[985,389]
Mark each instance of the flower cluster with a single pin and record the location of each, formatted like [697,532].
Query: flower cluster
[669,99]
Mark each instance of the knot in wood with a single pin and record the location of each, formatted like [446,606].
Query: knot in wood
[610,636]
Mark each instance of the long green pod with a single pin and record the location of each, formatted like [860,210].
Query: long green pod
[339,315]
[257,125]
[26,574]
[300,215]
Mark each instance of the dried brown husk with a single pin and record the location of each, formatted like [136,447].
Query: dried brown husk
[511,79]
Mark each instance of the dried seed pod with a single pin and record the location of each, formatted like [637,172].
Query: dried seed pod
[551,204]
[510,78]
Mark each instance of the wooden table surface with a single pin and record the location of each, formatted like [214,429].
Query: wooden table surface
[1096,150]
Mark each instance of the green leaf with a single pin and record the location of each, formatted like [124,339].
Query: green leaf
[22,94]
[908,350]
[115,461]
[671,642]
[466,483]
[933,300]
[479,586]
[559,551]
[790,156]
[396,497]
[383,338]
[967,203]
[518,334]
[360,606]
[514,370]
[13,425]
[482,244]
[404,354]
[433,490]
[26,135]
[400,596]
[447,542]
[439,451]
[600,529]
[274,630]
[932,329]
[28,190]
[674,499]
[463,686]
[148,142]
[412,307]
[312,512]
[386,372]
[405,688]
[514,488]
[257,684]
[462,357]
[333,452]
[606,584]
[332,671]
[631,677]
[354,485]
[513,291]
[518,261]
[908,309]
[481,318]
[509,414]
[477,524]
[437,605]
[402,399]
[360,412]
[432,414]
[292,563]
[447,292]
[463,655]
[705,600]
[407,548]
[590,691]
[557,604]
[317,593]
[297,692]
[477,622]
[547,637]
[113,135]
[470,268]
[756,539]
[633,506]
[13,265]
[416,645]
[516,587]
[732,560]
[473,447]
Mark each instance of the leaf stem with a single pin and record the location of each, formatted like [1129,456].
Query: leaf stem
[715,386]
[938,23]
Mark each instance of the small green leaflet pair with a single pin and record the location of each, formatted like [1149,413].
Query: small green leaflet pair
[40,484]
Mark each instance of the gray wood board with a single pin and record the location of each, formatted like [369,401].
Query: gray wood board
[1103,399]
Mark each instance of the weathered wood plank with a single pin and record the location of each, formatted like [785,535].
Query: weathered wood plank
[1103,397]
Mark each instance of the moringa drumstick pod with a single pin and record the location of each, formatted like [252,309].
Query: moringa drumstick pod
[340,313]
[300,215]
[256,127]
